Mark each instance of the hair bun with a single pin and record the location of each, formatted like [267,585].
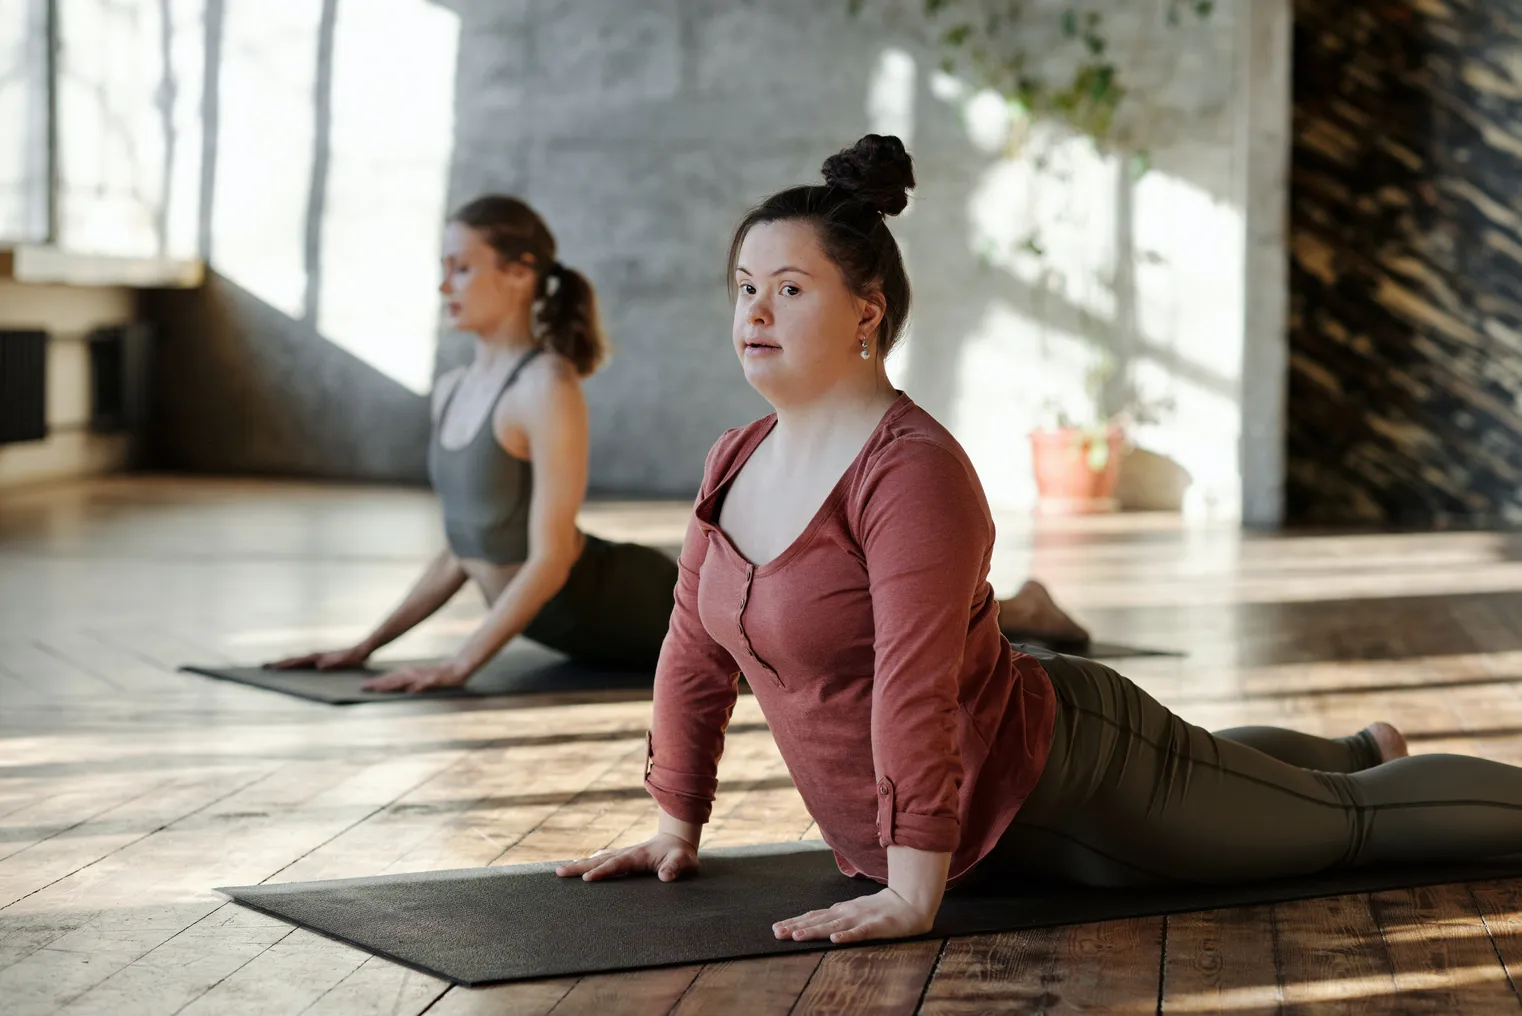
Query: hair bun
[877,170]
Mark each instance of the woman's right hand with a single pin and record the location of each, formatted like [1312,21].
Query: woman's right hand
[337,659]
[670,857]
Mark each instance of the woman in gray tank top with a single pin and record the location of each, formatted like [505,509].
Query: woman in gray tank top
[508,460]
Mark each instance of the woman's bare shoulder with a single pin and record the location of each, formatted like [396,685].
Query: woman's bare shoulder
[549,382]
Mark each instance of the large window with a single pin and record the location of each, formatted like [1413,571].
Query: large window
[100,140]
[23,121]
[129,94]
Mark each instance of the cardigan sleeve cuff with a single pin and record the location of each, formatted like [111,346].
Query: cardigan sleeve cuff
[687,807]
[687,796]
[937,834]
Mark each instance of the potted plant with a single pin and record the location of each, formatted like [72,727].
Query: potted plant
[1077,462]
[1077,467]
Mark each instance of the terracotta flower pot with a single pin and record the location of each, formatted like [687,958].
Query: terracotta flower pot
[1066,481]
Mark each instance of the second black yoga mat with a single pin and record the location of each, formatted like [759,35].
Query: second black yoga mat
[523,668]
[481,925]
[1113,651]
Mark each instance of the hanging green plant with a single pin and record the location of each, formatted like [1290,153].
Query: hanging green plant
[980,41]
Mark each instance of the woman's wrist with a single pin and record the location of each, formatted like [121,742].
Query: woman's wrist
[918,877]
[466,662]
[670,825]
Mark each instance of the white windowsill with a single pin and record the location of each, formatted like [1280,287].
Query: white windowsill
[39,263]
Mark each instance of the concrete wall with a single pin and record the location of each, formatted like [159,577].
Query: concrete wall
[642,132]
[68,314]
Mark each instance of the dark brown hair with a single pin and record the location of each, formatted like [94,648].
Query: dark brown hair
[862,184]
[566,317]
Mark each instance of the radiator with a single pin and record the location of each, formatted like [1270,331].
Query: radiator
[119,366]
[108,380]
[23,386]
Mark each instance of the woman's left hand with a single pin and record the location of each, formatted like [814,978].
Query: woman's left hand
[420,678]
[882,915]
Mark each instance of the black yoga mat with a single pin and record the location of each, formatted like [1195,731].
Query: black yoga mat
[523,668]
[1117,651]
[482,925]
[1094,650]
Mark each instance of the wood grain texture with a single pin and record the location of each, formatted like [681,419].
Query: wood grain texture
[1499,905]
[1114,966]
[638,993]
[761,986]
[1441,953]
[1332,959]
[884,980]
[1221,961]
[1010,972]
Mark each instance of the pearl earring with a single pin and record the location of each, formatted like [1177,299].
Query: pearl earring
[864,354]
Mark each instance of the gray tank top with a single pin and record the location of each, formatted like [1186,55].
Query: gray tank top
[484,490]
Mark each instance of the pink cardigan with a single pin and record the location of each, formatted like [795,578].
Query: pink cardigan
[872,645]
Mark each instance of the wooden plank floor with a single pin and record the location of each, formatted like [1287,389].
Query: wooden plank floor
[128,790]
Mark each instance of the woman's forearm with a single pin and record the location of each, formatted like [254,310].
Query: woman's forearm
[439,582]
[919,876]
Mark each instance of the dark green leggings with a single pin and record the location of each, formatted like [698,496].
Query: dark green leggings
[1133,795]
[614,608]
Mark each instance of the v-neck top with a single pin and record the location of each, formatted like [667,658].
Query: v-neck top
[873,647]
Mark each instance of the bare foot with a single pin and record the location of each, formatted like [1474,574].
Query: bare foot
[1032,614]
[1392,745]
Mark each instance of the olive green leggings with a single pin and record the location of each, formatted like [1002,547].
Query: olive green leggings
[1132,795]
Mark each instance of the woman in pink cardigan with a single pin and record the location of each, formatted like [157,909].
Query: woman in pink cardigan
[838,556]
